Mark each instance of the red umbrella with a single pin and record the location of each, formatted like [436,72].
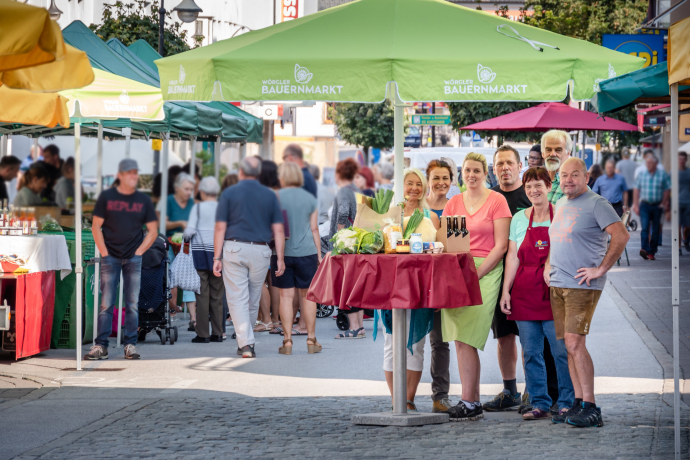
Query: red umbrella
[551,115]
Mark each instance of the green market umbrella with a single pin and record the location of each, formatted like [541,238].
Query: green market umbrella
[367,50]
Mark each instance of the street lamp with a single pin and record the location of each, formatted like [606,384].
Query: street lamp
[54,11]
[187,11]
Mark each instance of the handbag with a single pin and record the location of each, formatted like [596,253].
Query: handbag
[182,272]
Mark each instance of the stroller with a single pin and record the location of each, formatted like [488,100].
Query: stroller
[155,293]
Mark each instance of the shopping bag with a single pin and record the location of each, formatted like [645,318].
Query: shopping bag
[183,275]
[371,221]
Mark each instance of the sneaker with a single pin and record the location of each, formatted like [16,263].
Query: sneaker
[536,414]
[461,412]
[248,351]
[586,418]
[239,351]
[564,413]
[131,352]
[554,409]
[442,405]
[216,338]
[643,254]
[651,257]
[97,352]
[503,401]
[524,405]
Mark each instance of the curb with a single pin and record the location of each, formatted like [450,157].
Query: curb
[664,359]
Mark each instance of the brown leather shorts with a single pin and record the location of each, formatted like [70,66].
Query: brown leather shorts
[573,310]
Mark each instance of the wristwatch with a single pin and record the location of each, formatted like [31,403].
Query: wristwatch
[217,258]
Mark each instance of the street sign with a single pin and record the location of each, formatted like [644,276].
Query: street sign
[156,144]
[649,47]
[476,137]
[430,119]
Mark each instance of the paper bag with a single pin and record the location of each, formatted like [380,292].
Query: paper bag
[370,220]
[454,243]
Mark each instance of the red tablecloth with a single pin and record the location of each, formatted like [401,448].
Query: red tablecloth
[387,281]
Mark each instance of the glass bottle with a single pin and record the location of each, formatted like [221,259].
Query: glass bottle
[449,226]
[33,227]
[456,227]
[463,227]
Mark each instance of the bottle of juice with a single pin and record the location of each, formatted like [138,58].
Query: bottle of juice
[10,220]
[33,227]
[25,220]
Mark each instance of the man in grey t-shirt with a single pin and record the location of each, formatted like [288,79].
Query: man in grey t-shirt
[576,273]
[626,167]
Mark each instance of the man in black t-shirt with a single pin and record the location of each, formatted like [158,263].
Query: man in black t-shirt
[9,168]
[118,231]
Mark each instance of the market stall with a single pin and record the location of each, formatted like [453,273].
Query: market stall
[27,284]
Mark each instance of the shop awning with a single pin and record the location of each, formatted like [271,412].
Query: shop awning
[644,86]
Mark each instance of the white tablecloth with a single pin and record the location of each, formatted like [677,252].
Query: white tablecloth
[42,252]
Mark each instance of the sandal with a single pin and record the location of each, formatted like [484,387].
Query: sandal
[294,332]
[350,334]
[362,335]
[414,407]
[315,346]
[263,327]
[285,350]
[276,330]
[192,326]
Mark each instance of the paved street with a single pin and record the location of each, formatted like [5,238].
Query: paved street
[202,401]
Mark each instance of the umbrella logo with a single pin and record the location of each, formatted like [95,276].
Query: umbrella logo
[182,75]
[302,74]
[124,97]
[485,74]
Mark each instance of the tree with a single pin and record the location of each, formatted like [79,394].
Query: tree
[366,125]
[582,19]
[129,23]
[209,168]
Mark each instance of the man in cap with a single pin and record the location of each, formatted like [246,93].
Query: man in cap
[119,216]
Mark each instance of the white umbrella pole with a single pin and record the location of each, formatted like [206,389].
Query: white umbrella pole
[77,233]
[192,163]
[216,158]
[399,315]
[675,274]
[128,141]
[164,183]
[97,268]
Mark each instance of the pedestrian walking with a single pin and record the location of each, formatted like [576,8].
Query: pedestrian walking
[247,219]
[302,255]
[440,176]
[684,199]
[119,216]
[383,175]
[525,298]
[626,167]
[651,199]
[556,147]
[293,154]
[364,180]
[575,271]
[324,194]
[612,186]
[9,169]
[209,301]
[488,220]
[595,172]
[343,216]
[179,207]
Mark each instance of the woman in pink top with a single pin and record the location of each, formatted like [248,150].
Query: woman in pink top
[488,220]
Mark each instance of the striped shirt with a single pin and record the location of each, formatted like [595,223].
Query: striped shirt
[652,185]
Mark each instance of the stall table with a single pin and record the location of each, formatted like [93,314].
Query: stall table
[397,282]
[30,290]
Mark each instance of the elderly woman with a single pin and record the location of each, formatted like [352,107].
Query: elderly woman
[302,254]
[200,231]
[488,220]
[526,299]
[343,216]
[179,207]
[420,322]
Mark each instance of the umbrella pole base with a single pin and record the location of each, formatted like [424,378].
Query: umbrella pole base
[390,419]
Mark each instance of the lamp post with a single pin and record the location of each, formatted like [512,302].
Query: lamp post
[187,11]
[54,11]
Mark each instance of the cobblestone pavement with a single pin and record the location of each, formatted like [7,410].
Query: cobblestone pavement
[646,286]
[638,426]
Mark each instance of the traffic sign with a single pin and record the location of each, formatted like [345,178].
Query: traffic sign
[431,119]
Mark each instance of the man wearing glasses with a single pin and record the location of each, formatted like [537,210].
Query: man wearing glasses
[533,159]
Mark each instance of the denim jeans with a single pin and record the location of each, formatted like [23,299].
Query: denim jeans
[532,334]
[110,280]
[650,215]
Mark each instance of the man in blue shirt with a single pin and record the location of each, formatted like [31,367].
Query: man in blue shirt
[651,198]
[612,186]
[293,154]
[248,217]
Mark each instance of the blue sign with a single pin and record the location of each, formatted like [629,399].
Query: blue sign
[375,155]
[476,137]
[647,46]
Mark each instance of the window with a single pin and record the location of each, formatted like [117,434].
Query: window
[199,28]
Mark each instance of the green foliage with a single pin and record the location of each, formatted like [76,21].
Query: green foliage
[208,168]
[467,113]
[129,23]
[366,125]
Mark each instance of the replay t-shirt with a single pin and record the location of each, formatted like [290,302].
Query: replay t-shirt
[578,239]
[124,217]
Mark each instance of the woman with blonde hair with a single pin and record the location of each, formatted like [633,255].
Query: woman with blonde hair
[302,254]
[419,322]
[487,217]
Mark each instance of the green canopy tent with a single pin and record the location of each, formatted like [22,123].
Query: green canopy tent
[365,51]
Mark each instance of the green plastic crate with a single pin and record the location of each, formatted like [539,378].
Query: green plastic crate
[64,321]
[87,244]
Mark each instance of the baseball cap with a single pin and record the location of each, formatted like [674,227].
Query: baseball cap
[127,164]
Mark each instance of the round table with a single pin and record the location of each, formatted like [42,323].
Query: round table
[397,282]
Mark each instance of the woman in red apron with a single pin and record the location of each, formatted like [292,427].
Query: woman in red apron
[525,297]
